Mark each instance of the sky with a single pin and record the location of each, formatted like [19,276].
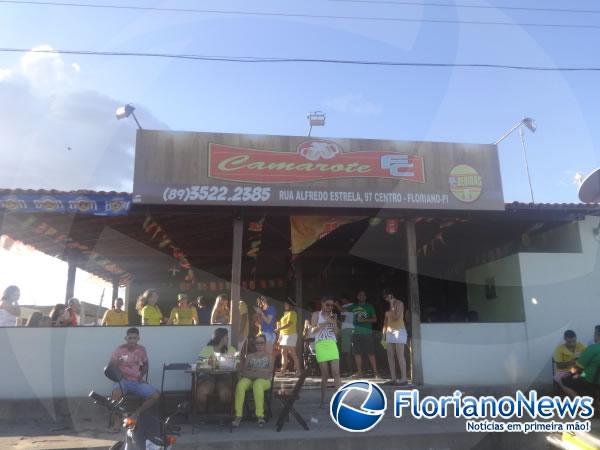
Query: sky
[50,103]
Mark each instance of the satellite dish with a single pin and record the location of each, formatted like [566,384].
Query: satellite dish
[589,191]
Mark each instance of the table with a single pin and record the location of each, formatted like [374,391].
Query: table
[213,372]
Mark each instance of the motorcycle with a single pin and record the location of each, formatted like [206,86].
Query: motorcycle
[148,431]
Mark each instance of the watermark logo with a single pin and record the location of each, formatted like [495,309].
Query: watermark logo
[358,406]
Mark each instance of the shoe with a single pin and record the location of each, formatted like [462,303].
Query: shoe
[401,382]
[236,422]
[261,422]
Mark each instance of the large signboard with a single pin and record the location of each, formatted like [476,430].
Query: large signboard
[240,169]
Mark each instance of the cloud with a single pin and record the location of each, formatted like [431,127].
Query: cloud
[43,113]
[354,104]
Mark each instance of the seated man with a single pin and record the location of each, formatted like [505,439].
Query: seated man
[257,369]
[132,361]
[586,370]
[565,356]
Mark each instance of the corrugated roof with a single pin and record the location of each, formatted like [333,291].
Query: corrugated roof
[58,192]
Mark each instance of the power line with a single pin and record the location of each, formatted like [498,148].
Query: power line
[462,5]
[256,59]
[302,16]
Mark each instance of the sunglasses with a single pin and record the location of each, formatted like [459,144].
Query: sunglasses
[260,343]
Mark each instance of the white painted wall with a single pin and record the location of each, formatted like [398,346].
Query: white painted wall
[473,353]
[508,304]
[67,362]
[566,287]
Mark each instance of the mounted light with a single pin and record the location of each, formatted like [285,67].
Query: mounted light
[125,111]
[530,124]
[315,119]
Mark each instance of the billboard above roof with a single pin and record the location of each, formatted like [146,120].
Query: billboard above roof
[260,170]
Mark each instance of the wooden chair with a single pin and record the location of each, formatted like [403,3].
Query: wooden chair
[287,397]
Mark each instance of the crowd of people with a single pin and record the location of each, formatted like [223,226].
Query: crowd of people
[61,315]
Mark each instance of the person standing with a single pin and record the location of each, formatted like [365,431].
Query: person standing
[362,336]
[59,316]
[151,314]
[9,307]
[115,317]
[288,337]
[244,329]
[202,310]
[324,326]
[74,308]
[183,314]
[221,311]
[266,316]
[344,308]
[395,337]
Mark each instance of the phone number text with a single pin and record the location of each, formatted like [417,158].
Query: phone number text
[217,194]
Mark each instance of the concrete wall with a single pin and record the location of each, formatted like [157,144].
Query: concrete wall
[474,353]
[68,362]
[508,304]
[560,291]
[566,289]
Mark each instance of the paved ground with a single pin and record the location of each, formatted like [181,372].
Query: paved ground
[88,430]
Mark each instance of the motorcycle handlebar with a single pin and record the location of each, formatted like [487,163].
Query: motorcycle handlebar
[100,399]
[107,402]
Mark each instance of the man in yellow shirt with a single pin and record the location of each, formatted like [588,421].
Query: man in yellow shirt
[565,356]
[183,314]
[116,317]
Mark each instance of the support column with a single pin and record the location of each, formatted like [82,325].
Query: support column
[299,310]
[115,291]
[70,293]
[415,303]
[236,277]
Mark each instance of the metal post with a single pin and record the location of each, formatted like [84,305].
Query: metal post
[236,277]
[115,291]
[71,272]
[415,303]
[522,134]
[299,311]
[136,121]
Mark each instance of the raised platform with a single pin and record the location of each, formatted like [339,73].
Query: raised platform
[77,423]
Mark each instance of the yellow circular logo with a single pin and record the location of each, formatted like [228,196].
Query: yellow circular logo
[465,183]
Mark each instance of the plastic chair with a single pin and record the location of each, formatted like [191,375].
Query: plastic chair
[164,395]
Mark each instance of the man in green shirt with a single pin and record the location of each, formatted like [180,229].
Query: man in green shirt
[362,335]
[587,366]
